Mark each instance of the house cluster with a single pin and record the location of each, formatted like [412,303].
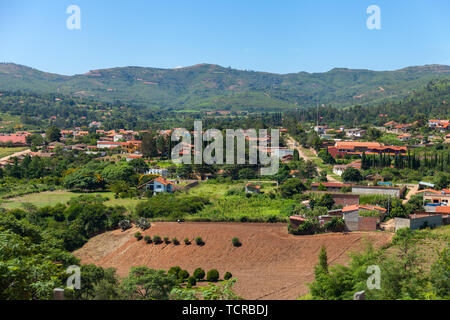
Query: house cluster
[344,148]
[357,217]
[367,217]
[439,125]
[122,139]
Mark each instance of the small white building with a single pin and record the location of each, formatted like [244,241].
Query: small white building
[161,172]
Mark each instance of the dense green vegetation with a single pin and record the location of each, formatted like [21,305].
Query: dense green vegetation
[429,100]
[211,86]
[414,266]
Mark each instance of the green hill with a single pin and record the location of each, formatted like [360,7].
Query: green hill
[207,86]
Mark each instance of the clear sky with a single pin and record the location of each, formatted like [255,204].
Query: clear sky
[280,36]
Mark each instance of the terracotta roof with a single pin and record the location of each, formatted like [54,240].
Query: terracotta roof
[372,207]
[354,207]
[429,190]
[13,138]
[330,184]
[353,144]
[443,209]
[298,218]
[163,181]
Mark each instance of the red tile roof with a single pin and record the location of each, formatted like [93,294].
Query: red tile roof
[163,181]
[443,209]
[14,139]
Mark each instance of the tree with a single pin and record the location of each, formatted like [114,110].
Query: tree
[184,171]
[139,165]
[292,186]
[326,201]
[440,274]
[352,174]
[212,275]
[148,147]
[84,179]
[120,172]
[322,266]
[373,134]
[143,283]
[441,181]
[53,134]
[199,274]
[227,276]
[246,173]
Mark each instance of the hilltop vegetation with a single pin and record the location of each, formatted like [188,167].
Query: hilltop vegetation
[208,86]
[428,101]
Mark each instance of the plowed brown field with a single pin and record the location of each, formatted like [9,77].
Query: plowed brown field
[270,264]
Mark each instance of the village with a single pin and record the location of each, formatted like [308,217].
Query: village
[348,149]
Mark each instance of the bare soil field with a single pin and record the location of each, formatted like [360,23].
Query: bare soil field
[270,264]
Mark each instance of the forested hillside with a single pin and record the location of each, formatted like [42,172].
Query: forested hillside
[207,86]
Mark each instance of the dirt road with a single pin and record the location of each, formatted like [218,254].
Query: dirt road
[17,154]
[293,144]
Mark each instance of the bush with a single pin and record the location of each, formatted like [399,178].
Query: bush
[227,276]
[236,242]
[183,275]
[166,240]
[174,271]
[157,239]
[142,223]
[138,236]
[187,241]
[199,274]
[335,225]
[148,239]
[125,225]
[199,241]
[212,275]
[175,241]
[191,281]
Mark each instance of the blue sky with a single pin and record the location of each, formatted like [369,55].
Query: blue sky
[276,36]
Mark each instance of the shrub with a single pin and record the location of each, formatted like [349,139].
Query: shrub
[236,242]
[187,241]
[227,276]
[166,240]
[191,281]
[335,225]
[174,271]
[175,241]
[138,236]
[212,275]
[183,275]
[199,274]
[142,223]
[148,239]
[125,225]
[157,239]
[199,241]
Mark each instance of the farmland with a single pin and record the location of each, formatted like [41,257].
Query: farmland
[270,264]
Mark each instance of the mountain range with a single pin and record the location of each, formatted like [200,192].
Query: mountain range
[209,86]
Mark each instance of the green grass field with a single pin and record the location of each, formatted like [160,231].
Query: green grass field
[4,152]
[53,197]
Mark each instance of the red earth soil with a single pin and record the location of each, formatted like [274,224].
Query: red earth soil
[270,264]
